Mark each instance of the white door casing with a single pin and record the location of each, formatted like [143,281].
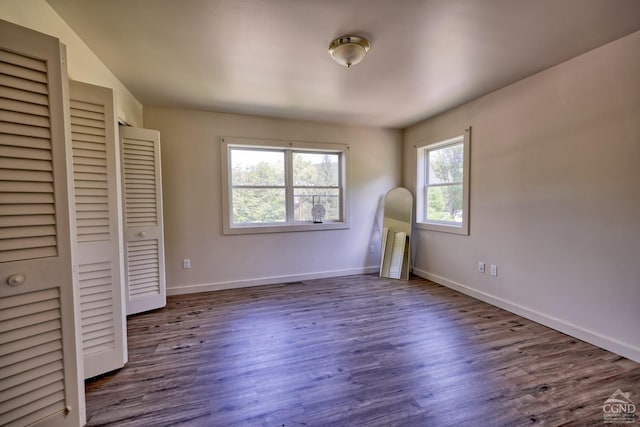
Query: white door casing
[98,225]
[142,215]
[40,371]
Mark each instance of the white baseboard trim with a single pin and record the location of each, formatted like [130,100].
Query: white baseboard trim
[246,283]
[591,337]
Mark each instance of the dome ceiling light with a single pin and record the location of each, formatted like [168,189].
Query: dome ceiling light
[349,50]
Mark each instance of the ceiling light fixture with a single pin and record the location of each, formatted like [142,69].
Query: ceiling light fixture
[349,50]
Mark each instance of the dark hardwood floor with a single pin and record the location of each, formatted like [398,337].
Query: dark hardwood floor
[353,351]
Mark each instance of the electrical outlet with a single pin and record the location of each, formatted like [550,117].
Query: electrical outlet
[494,270]
[481,267]
[372,249]
[186,263]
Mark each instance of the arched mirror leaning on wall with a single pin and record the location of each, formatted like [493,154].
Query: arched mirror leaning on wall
[396,234]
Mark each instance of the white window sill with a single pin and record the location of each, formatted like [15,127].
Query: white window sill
[444,228]
[285,228]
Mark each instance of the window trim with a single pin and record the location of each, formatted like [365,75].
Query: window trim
[227,143]
[421,184]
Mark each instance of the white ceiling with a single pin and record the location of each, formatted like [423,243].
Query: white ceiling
[269,57]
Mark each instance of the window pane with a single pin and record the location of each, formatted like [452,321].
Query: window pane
[315,169]
[257,167]
[445,165]
[445,203]
[258,205]
[305,198]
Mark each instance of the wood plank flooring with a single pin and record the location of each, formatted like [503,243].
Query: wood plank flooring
[353,351]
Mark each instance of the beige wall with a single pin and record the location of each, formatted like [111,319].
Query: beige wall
[555,197]
[190,142]
[83,64]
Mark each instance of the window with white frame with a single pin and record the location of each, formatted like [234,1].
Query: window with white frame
[443,185]
[271,186]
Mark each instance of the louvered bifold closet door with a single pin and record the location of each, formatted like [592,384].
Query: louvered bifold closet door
[98,225]
[39,375]
[144,237]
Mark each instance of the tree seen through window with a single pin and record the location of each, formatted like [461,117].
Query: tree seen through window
[259,185]
[444,184]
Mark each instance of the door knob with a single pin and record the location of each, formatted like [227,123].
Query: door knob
[16,280]
[142,234]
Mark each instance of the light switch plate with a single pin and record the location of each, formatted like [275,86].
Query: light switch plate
[494,270]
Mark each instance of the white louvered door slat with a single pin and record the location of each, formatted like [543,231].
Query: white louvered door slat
[101,266]
[40,381]
[142,187]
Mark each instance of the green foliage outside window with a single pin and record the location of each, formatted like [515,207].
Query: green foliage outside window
[444,190]
[314,175]
[259,192]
